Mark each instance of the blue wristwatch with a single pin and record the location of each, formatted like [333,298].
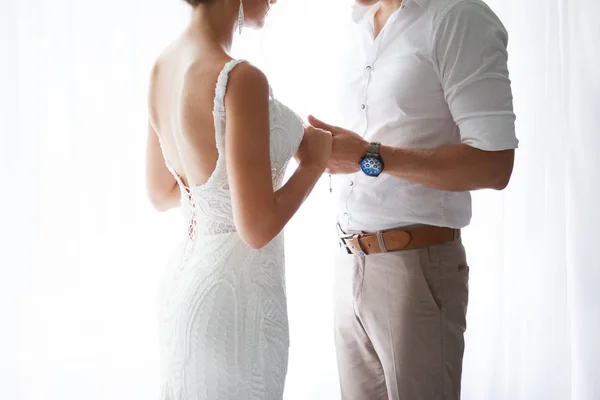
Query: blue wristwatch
[372,164]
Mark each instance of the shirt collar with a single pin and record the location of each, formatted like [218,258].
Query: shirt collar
[362,13]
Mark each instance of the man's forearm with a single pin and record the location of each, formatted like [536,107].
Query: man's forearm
[452,168]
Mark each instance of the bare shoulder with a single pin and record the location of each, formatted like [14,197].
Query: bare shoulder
[246,75]
[246,82]
[153,91]
[161,65]
[158,66]
[156,74]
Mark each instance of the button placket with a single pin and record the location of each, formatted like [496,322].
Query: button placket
[364,106]
[369,59]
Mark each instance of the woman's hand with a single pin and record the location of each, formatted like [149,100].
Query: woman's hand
[315,149]
[348,148]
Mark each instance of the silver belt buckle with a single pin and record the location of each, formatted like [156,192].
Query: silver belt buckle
[343,236]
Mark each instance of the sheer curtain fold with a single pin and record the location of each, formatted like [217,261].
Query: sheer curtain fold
[81,252]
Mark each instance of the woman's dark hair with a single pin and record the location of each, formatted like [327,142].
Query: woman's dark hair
[194,3]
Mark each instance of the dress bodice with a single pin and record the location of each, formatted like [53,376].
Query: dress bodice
[208,207]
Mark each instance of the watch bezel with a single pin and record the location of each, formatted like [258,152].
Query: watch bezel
[375,156]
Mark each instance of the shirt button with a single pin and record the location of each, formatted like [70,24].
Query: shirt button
[363,106]
[369,68]
[346,214]
[351,183]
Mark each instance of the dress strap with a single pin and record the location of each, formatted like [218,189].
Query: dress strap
[221,88]
[219,105]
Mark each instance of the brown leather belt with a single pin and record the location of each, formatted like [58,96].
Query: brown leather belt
[397,239]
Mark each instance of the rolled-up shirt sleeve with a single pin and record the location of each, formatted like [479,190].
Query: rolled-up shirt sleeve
[470,55]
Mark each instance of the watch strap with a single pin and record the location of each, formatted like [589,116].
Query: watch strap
[374,149]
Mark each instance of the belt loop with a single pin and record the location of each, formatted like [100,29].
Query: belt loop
[339,229]
[381,242]
[361,250]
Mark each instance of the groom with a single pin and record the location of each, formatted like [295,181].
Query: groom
[428,107]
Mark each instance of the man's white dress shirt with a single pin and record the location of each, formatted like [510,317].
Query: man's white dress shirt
[435,76]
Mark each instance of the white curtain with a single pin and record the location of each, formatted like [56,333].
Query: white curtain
[534,317]
[81,252]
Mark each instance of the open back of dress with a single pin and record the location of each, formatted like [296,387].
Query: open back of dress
[223,313]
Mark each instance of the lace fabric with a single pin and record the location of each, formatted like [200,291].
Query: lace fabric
[223,313]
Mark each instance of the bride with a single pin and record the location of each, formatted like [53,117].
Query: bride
[218,145]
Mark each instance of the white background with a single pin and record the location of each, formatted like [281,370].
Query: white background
[81,251]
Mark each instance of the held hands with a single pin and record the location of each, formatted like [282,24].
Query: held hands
[347,150]
[315,149]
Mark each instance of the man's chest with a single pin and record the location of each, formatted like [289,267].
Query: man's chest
[392,76]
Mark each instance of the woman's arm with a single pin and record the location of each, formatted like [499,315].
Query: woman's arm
[259,212]
[161,186]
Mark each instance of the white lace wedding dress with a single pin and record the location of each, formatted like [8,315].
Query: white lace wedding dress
[223,313]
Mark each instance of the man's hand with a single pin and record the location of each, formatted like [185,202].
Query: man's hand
[348,148]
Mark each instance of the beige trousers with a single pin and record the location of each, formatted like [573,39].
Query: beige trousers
[400,323]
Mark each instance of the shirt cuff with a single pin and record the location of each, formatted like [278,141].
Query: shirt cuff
[489,133]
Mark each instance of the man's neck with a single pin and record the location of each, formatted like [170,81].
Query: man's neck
[386,9]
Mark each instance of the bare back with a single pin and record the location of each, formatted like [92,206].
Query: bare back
[182,91]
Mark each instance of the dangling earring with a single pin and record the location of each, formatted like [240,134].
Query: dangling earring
[241,17]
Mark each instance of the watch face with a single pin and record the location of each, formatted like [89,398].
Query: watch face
[371,166]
